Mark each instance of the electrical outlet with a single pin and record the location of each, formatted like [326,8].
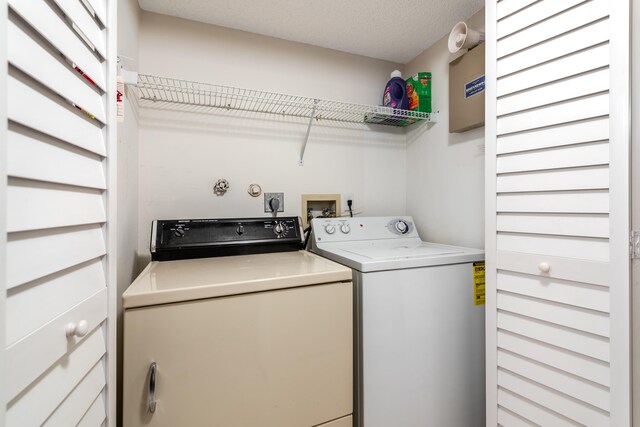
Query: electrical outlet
[345,197]
[267,201]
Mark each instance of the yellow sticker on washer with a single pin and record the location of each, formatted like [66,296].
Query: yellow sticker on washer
[478,283]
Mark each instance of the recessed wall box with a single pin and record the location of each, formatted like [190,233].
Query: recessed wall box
[317,205]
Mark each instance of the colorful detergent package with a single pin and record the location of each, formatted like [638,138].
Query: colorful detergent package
[419,92]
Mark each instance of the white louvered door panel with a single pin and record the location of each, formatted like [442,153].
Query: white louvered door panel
[3,199]
[557,213]
[58,186]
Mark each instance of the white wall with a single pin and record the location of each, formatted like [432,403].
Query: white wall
[445,172]
[183,154]
[127,220]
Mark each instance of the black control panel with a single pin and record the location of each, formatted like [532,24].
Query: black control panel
[200,238]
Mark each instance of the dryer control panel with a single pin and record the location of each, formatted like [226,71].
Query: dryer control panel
[199,238]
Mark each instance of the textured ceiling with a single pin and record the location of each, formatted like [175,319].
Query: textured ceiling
[396,30]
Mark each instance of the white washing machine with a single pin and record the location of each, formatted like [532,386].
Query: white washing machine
[420,337]
[232,325]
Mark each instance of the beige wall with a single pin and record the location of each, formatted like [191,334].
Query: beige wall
[445,172]
[128,16]
[183,154]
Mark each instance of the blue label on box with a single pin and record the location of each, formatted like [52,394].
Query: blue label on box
[473,87]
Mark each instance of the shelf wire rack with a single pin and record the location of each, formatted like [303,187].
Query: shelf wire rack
[154,89]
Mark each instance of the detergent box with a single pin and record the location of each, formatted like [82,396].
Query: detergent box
[419,92]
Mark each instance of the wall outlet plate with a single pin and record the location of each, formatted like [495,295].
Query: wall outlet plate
[345,206]
[267,199]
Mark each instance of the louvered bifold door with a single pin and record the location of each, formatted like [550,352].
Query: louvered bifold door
[557,213]
[57,211]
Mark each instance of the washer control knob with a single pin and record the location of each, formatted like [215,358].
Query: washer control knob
[402,227]
[179,232]
[330,228]
[345,228]
[279,228]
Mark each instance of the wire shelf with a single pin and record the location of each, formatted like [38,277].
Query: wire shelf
[154,89]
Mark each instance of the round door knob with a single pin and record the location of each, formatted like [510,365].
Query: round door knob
[544,267]
[79,329]
[179,232]
[345,228]
[330,229]
[402,227]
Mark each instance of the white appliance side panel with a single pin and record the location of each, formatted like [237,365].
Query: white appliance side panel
[422,348]
[279,358]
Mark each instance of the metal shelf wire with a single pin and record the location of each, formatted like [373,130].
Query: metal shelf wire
[154,89]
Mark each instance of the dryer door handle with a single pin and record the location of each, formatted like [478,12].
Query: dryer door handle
[152,387]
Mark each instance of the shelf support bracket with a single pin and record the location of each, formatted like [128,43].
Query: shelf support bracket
[128,77]
[306,137]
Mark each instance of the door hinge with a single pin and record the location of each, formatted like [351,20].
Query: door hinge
[634,244]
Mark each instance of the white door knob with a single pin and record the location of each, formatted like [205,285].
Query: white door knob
[79,329]
[544,267]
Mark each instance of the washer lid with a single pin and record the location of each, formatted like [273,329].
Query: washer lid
[378,255]
[192,279]
[399,250]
